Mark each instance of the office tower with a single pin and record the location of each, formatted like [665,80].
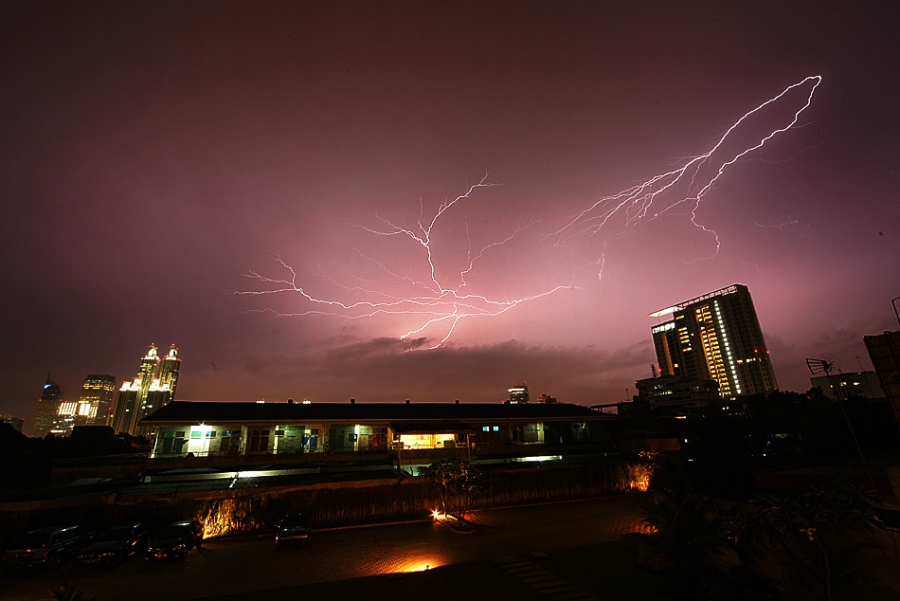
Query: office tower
[152,388]
[884,351]
[48,409]
[518,395]
[716,337]
[168,371]
[97,396]
[133,396]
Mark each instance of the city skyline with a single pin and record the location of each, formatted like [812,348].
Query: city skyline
[157,155]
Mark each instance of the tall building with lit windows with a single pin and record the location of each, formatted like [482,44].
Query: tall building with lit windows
[97,395]
[48,409]
[152,388]
[716,337]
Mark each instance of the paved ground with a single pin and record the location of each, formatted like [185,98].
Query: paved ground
[519,549]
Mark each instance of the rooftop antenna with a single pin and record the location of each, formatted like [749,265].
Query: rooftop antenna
[823,366]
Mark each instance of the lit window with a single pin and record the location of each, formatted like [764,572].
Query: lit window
[496,428]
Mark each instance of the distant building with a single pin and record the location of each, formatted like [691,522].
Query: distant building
[152,388]
[97,396]
[855,384]
[518,395]
[678,395]
[45,421]
[15,422]
[884,351]
[717,337]
[546,399]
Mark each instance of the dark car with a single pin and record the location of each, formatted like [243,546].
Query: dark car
[292,529]
[116,544]
[47,547]
[175,540]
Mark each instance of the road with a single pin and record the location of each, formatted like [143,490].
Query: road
[234,565]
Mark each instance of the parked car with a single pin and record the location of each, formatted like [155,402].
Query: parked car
[292,529]
[47,547]
[116,544]
[175,540]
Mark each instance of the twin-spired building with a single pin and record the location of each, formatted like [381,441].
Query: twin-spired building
[152,388]
[716,337]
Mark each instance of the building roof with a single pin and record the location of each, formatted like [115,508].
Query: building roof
[200,412]
[430,426]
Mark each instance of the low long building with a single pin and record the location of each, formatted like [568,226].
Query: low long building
[199,429]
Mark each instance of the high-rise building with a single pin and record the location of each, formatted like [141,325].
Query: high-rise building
[152,388]
[48,409]
[518,395]
[716,337]
[97,395]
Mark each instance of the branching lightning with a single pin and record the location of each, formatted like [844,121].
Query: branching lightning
[436,303]
[685,185]
[433,299]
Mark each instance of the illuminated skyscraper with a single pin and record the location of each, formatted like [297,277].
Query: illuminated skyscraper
[48,409]
[97,396]
[716,337]
[162,389]
[518,395]
[152,388]
[133,396]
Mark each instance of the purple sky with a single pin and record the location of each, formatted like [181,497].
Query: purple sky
[154,155]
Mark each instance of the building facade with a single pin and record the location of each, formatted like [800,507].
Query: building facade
[716,337]
[95,403]
[679,396]
[152,388]
[237,429]
[45,421]
[839,387]
[884,351]
[16,422]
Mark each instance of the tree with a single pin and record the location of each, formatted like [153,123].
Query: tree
[823,541]
[457,482]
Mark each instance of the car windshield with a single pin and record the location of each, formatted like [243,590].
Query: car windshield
[115,534]
[32,541]
[293,521]
[174,532]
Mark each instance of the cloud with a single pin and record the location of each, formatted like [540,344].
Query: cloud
[393,370]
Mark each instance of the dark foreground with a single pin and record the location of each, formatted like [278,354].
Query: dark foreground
[566,551]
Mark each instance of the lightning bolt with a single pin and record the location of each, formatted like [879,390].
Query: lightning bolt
[439,298]
[432,301]
[687,184]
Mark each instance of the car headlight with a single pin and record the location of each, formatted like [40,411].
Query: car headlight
[180,547]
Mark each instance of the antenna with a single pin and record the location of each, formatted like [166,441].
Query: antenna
[822,366]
